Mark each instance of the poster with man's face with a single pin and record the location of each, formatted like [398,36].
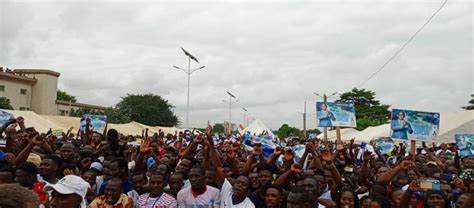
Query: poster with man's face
[97,122]
[465,144]
[414,125]
[330,114]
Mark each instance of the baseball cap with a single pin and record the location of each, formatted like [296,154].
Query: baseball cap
[431,163]
[97,166]
[69,184]
[150,162]
[34,158]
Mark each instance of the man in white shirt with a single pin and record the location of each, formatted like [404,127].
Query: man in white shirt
[199,194]
[231,196]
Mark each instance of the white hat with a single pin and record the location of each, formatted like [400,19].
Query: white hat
[70,184]
[97,166]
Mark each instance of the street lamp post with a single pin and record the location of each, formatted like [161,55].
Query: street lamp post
[230,109]
[245,117]
[188,72]
[325,99]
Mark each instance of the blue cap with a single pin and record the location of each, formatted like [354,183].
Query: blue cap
[150,162]
[2,156]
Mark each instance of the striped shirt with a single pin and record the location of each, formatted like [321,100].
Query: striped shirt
[165,200]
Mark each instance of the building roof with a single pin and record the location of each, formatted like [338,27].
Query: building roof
[81,105]
[37,71]
[16,77]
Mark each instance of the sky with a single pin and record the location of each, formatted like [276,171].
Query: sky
[272,55]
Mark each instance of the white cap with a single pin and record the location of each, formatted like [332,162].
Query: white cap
[97,166]
[70,184]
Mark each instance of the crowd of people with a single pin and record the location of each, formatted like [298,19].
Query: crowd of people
[188,169]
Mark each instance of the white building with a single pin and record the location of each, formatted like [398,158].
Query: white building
[36,90]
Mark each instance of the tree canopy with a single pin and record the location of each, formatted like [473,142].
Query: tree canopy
[285,130]
[147,109]
[369,111]
[5,103]
[218,128]
[64,96]
[471,104]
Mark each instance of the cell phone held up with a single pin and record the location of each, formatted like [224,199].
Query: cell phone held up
[447,177]
[430,185]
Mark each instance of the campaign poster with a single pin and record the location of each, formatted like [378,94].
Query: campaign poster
[97,123]
[465,144]
[329,114]
[414,125]
[385,145]
[58,133]
[4,117]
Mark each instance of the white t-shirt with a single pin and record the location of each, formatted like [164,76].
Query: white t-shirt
[186,184]
[134,195]
[226,197]
[210,198]
[165,200]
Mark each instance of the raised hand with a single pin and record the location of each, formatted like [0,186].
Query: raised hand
[37,139]
[10,158]
[339,145]
[145,147]
[277,151]
[288,155]
[20,120]
[296,168]
[326,155]
[367,155]
[407,164]
[257,149]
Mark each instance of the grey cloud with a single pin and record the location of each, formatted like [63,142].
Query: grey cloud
[272,55]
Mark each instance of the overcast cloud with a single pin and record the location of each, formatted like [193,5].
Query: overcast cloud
[271,55]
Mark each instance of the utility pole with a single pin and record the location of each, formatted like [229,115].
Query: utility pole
[304,120]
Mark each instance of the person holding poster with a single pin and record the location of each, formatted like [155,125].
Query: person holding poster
[325,116]
[401,127]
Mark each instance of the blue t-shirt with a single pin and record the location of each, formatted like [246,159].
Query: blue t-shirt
[127,186]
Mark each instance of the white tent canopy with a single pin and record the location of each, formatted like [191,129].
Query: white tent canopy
[43,123]
[451,123]
[257,127]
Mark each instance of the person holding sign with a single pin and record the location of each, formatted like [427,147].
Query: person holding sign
[401,127]
[325,116]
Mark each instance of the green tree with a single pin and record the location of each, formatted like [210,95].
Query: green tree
[218,128]
[5,103]
[147,109]
[471,104]
[369,111]
[313,131]
[286,130]
[62,95]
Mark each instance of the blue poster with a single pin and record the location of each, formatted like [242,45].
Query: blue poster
[97,122]
[414,125]
[4,117]
[464,143]
[335,114]
[385,145]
